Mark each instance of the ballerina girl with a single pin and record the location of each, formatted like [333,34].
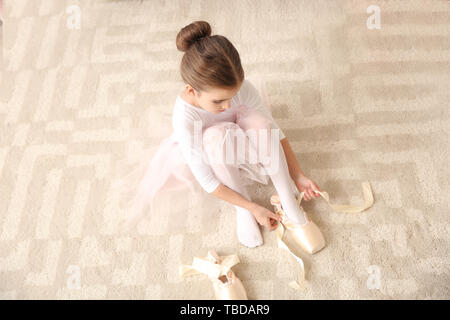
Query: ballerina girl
[216,107]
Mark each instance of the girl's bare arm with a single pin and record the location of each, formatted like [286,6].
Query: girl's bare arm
[294,167]
[262,215]
[233,197]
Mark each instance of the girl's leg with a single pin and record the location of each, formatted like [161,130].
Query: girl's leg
[251,119]
[281,180]
[215,140]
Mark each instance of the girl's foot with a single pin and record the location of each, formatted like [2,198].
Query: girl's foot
[248,231]
[307,235]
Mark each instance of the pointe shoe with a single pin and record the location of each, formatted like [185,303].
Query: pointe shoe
[308,236]
[227,286]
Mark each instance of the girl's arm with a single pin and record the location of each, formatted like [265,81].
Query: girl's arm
[264,216]
[303,183]
[294,167]
[233,197]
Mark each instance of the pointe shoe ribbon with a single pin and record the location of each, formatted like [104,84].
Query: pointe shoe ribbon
[368,202]
[226,285]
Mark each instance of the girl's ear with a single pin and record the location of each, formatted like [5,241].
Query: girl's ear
[190,90]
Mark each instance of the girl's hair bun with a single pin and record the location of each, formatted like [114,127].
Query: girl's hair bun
[192,33]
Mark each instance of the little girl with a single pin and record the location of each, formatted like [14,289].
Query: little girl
[216,105]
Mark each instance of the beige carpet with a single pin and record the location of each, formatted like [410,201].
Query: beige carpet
[355,103]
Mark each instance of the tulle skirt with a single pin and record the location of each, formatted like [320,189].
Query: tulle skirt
[166,171]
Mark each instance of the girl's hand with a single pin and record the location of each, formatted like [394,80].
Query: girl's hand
[265,217]
[305,184]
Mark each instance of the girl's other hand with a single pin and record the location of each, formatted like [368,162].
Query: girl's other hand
[304,184]
[266,217]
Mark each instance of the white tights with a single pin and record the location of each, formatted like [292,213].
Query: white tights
[215,138]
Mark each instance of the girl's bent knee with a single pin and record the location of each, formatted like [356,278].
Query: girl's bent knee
[216,133]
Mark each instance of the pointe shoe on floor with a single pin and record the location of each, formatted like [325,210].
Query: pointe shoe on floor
[227,286]
[308,236]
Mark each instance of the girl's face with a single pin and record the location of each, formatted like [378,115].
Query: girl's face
[214,100]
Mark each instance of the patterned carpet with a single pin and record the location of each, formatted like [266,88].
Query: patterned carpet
[356,104]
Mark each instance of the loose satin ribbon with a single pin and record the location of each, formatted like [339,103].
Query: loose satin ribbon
[207,266]
[368,202]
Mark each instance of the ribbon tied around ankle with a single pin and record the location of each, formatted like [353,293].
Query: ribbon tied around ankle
[368,202]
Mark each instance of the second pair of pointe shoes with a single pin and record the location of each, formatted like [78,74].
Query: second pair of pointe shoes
[227,286]
[308,236]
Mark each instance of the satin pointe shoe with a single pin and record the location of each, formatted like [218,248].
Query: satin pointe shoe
[227,286]
[308,236]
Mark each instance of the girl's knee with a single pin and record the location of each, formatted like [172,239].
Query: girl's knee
[215,135]
[217,131]
[225,143]
[248,118]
